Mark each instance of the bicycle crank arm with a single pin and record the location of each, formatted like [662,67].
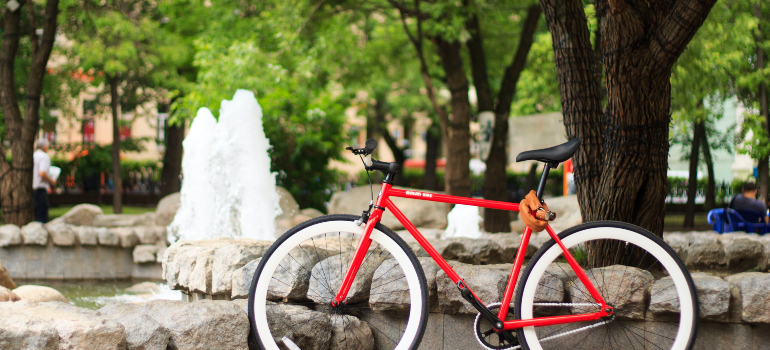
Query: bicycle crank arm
[488,315]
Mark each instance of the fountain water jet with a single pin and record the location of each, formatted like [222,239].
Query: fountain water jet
[228,189]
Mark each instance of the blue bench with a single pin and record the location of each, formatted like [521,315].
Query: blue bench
[729,220]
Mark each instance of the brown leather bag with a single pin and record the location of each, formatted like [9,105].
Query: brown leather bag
[531,205]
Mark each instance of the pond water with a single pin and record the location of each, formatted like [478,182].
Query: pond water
[95,294]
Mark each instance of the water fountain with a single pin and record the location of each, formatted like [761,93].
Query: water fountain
[228,189]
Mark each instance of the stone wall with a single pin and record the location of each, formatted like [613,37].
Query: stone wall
[733,306]
[88,244]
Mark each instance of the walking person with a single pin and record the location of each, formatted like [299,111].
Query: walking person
[41,181]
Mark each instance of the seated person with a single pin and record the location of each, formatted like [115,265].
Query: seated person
[748,201]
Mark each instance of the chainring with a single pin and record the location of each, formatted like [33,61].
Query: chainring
[488,337]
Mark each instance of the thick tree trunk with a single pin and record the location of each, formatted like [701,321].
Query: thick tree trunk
[172,159]
[432,143]
[762,170]
[692,181]
[117,182]
[16,178]
[620,169]
[458,174]
[711,189]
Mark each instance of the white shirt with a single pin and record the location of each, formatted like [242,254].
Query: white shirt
[42,163]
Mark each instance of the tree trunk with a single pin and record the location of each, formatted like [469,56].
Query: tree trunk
[495,178]
[762,170]
[432,143]
[16,177]
[711,189]
[379,119]
[172,159]
[117,182]
[692,182]
[458,174]
[620,169]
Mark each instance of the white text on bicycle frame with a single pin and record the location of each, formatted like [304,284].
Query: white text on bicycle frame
[418,194]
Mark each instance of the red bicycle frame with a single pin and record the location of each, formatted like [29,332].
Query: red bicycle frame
[384,202]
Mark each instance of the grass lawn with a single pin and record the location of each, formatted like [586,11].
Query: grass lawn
[56,212]
[675,222]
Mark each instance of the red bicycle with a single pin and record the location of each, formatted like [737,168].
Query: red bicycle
[337,280]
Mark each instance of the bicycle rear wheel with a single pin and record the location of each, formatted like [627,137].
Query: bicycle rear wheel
[297,279]
[640,276]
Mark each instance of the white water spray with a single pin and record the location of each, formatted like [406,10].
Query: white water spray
[228,189]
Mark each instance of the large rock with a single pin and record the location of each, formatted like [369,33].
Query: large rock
[242,279]
[62,234]
[678,242]
[167,208]
[80,215]
[390,291]
[350,332]
[148,234]
[713,296]
[34,233]
[107,237]
[54,325]
[122,220]
[181,258]
[755,299]
[142,332]
[127,236]
[331,271]
[305,328]
[626,288]
[203,324]
[311,212]
[420,213]
[10,234]
[289,209]
[233,256]
[743,251]
[705,251]
[567,212]
[487,282]
[39,294]
[144,253]
[5,278]
[86,235]
[7,295]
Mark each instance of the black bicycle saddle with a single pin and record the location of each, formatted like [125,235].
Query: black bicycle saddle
[555,154]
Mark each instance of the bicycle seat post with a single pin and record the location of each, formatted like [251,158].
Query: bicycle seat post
[543,178]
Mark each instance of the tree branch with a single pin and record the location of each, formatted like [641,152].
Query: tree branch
[513,71]
[479,64]
[38,70]
[671,36]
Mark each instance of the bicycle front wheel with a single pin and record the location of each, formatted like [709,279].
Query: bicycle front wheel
[636,272]
[290,302]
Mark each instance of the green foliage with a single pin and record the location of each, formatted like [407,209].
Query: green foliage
[677,187]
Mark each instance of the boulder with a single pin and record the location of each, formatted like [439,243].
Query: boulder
[146,234]
[142,332]
[5,278]
[753,287]
[181,258]
[144,253]
[34,233]
[10,234]
[311,212]
[679,242]
[167,208]
[330,272]
[305,328]
[300,218]
[350,332]
[81,215]
[86,235]
[39,294]
[292,279]
[713,296]
[626,288]
[743,251]
[203,324]
[7,295]
[124,220]
[46,324]
[62,234]
[487,282]
[201,275]
[288,204]
[107,237]
[390,292]
[420,213]
[764,261]
[242,279]
[705,250]
[233,256]
[127,236]
[144,287]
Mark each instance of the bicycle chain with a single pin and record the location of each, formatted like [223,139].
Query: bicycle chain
[568,333]
[565,304]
